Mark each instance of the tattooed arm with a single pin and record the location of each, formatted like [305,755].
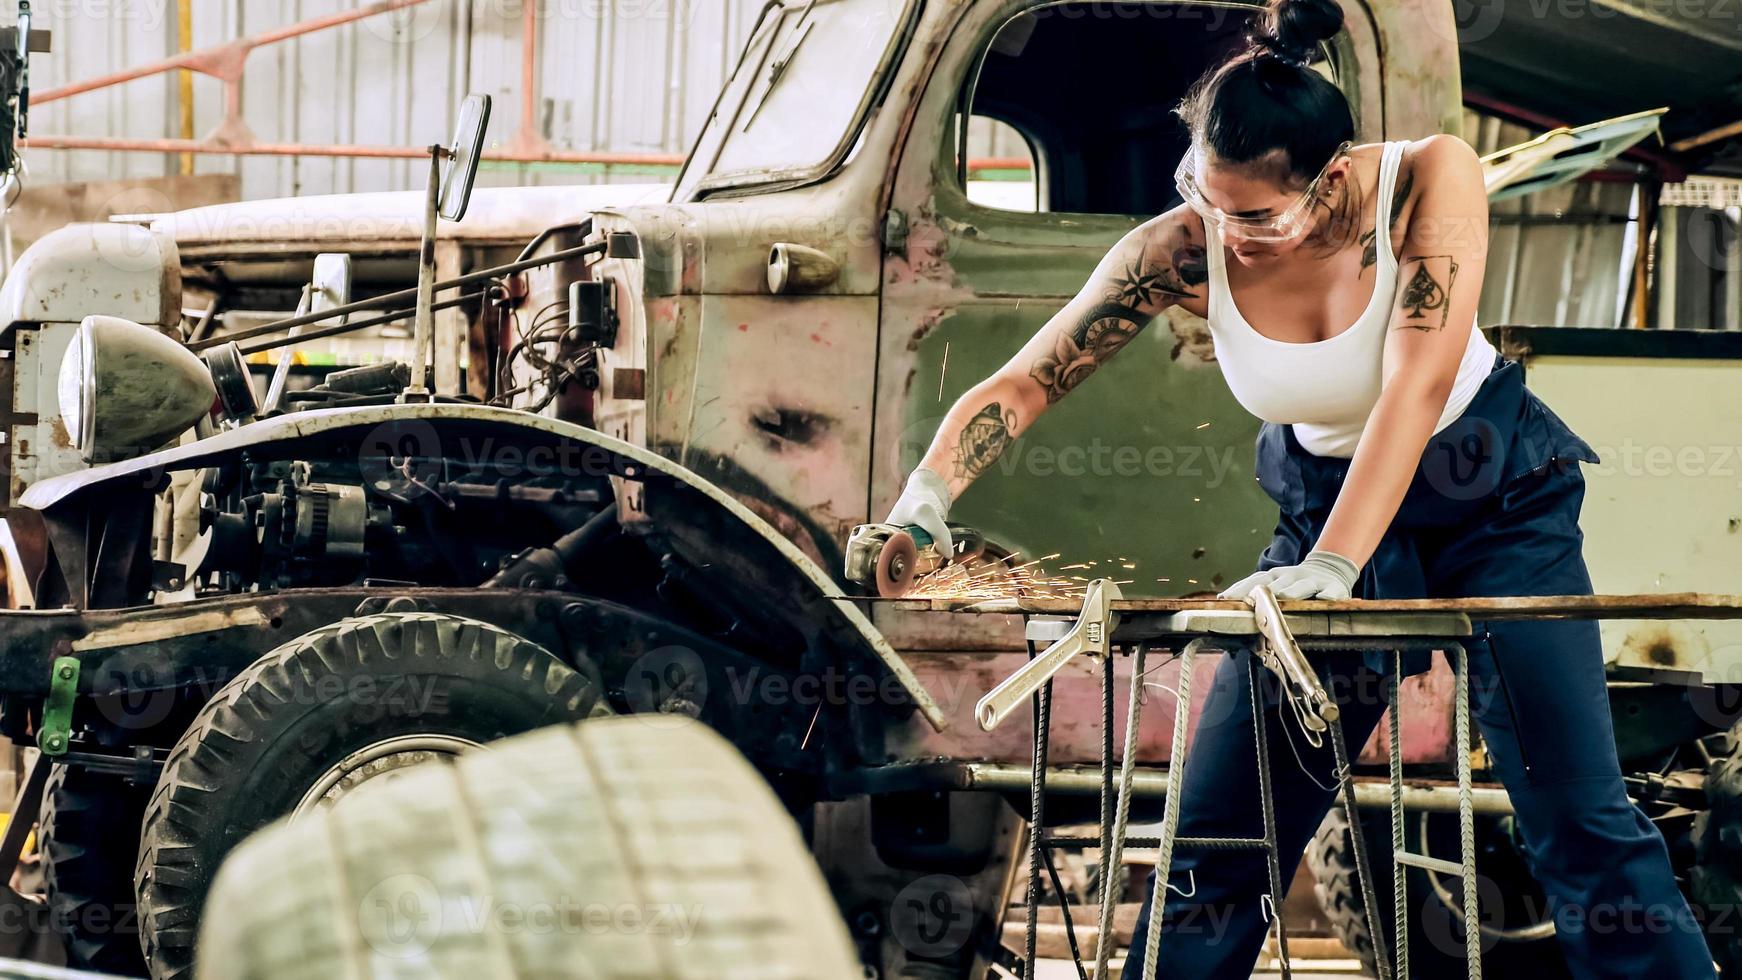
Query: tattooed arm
[1156,265]
[1439,279]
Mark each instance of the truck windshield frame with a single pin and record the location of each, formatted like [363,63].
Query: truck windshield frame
[792,49]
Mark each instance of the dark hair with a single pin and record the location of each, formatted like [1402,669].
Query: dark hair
[1266,98]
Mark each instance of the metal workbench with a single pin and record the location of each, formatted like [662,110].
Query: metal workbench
[1277,635]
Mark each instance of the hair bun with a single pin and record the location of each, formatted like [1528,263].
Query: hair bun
[1293,29]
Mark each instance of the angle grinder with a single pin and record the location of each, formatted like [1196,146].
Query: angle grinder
[890,557]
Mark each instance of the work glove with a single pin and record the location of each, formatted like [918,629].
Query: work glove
[925,503]
[1323,575]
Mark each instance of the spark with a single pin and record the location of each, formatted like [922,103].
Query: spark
[1003,578]
[943,369]
[1204,425]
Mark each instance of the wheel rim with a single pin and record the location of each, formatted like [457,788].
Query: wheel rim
[1522,934]
[379,760]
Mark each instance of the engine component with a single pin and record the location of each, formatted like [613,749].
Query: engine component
[387,377]
[593,312]
[235,387]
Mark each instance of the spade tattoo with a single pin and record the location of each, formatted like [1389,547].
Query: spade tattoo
[1427,296]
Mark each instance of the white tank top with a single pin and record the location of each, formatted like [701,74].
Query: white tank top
[1327,389]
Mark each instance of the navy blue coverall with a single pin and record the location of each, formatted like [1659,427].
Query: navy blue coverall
[1493,510]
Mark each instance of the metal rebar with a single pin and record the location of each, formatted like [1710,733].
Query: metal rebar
[1113,861]
[1042,715]
[1267,806]
[1176,772]
[1399,879]
[393,299]
[1358,842]
[1466,816]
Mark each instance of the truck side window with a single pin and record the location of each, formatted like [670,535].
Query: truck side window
[1006,176]
[1091,87]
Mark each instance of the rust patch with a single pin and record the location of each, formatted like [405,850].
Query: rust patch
[785,428]
[628,383]
[927,322]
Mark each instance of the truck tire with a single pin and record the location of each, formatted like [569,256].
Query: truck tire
[321,714]
[1715,880]
[1435,926]
[88,835]
[630,848]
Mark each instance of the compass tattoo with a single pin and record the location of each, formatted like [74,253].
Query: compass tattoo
[1129,300]
[1427,294]
[1078,352]
[983,439]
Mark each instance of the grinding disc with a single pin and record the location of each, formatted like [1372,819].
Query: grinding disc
[896,564]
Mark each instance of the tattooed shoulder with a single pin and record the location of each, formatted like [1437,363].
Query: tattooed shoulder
[1399,199]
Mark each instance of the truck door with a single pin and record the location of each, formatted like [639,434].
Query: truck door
[1143,475]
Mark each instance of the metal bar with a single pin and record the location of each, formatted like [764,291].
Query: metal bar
[1109,791]
[1206,843]
[1041,714]
[1151,783]
[1429,862]
[1260,739]
[423,331]
[201,60]
[1176,771]
[354,325]
[1466,819]
[509,153]
[388,300]
[1358,842]
[1112,861]
[1394,767]
[1669,605]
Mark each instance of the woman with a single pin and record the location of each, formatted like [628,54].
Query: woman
[1340,284]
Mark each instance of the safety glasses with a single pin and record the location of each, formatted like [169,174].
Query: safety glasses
[1280,227]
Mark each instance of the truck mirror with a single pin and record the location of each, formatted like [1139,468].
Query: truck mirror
[460,168]
[331,284]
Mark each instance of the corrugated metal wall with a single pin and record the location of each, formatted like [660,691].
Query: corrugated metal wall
[1556,256]
[614,75]
[617,75]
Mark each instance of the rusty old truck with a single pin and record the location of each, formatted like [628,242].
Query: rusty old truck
[632,490]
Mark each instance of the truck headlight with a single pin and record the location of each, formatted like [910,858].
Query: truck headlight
[126,389]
